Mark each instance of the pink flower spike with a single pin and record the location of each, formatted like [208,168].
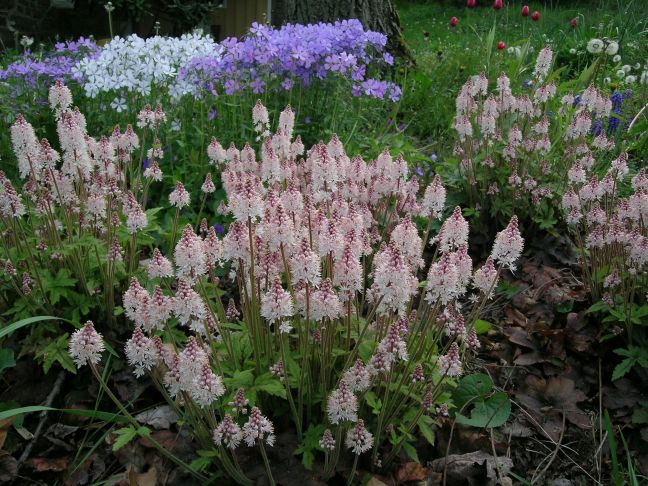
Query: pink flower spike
[86,345]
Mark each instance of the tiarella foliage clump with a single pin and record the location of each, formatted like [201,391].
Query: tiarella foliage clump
[610,230]
[515,149]
[338,315]
[79,226]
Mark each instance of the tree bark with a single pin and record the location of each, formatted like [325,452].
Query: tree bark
[378,15]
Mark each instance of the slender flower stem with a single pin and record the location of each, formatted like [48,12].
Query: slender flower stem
[291,402]
[266,463]
[353,470]
[134,422]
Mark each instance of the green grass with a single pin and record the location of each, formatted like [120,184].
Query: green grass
[447,56]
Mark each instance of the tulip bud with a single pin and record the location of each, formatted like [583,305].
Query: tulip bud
[536,16]
[497,4]
[454,21]
[501,45]
[574,22]
[471,3]
[525,11]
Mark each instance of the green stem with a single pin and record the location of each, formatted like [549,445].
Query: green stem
[266,463]
[353,470]
[134,422]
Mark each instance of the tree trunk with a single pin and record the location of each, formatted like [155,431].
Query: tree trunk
[378,15]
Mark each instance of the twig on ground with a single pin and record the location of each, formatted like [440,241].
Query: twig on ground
[553,454]
[43,416]
[537,424]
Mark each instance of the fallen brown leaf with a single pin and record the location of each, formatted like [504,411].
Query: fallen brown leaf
[4,429]
[411,471]
[473,469]
[43,464]
[148,478]
[8,467]
[159,417]
[549,398]
[374,481]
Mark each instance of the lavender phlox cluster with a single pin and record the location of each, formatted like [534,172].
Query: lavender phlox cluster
[293,54]
[42,69]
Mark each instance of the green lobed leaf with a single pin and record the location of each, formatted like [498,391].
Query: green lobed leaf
[124,436]
[426,430]
[410,451]
[482,327]
[623,368]
[57,352]
[270,385]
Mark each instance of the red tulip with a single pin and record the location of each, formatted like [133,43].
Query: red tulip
[471,3]
[454,21]
[501,46]
[497,4]
[525,11]
[574,22]
[536,16]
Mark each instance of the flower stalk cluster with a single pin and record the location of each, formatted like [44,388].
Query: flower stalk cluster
[335,298]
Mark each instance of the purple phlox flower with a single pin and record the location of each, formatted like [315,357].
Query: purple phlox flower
[257,86]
